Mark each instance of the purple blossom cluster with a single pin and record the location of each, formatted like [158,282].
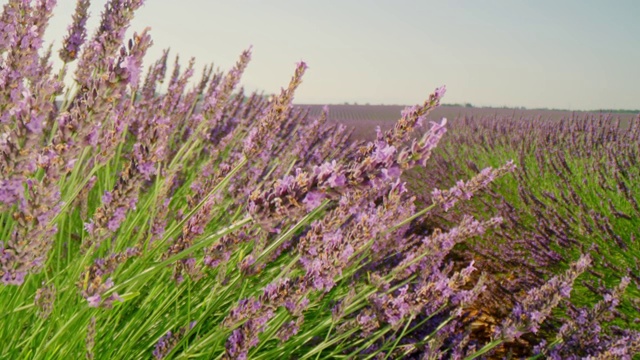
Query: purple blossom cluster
[536,306]
[93,284]
[374,165]
[99,52]
[170,340]
[77,32]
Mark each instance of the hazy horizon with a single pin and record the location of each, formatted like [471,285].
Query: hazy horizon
[575,55]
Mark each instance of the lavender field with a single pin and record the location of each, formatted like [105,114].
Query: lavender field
[363,118]
[162,212]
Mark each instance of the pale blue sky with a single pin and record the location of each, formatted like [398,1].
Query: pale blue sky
[557,54]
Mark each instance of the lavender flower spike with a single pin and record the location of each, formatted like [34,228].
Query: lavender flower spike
[169,341]
[411,117]
[77,32]
[260,135]
[465,190]
[538,303]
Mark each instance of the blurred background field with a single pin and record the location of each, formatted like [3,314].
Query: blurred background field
[364,118]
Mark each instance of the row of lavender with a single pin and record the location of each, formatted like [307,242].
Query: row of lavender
[574,191]
[200,222]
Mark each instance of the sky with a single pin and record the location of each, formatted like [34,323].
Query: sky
[572,54]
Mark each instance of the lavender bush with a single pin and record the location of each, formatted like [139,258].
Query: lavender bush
[141,223]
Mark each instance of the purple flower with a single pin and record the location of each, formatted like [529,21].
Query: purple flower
[384,154]
[147,169]
[11,191]
[107,197]
[15,278]
[94,300]
[132,64]
[289,329]
[234,345]
[35,124]
[441,91]
[90,226]
[313,199]
[118,216]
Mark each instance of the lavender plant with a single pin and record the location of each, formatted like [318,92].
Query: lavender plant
[137,223]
